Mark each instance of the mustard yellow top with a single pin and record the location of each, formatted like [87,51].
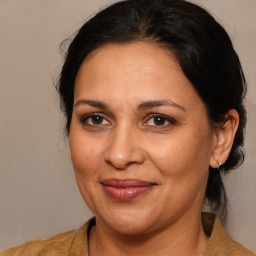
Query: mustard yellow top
[74,243]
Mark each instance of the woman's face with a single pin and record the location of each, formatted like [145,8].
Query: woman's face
[140,139]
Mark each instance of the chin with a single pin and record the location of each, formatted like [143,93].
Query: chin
[128,222]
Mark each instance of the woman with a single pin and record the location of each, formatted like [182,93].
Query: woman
[153,95]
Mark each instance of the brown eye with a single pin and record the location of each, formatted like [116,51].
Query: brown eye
[97,119]
[159,121]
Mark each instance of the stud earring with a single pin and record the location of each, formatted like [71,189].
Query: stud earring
[219,165]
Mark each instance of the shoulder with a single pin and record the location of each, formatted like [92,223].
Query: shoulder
[59,245]
[220,243]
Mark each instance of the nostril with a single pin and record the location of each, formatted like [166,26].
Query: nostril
[123,162]
[119,165]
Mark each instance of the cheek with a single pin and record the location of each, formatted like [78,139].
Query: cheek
[184,156]
[85,152]
[184,168]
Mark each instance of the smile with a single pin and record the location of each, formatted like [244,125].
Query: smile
[125,190]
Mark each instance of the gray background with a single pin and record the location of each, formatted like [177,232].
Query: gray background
[38,193]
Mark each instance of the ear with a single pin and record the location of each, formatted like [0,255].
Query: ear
[224,137]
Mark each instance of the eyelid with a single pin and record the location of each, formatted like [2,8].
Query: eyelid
[167,118]
[147,118]
[95,114]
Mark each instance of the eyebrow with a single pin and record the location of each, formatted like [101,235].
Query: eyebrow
[143,106]
[159,103]
[93,103]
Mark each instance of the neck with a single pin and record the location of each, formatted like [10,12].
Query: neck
[184,237]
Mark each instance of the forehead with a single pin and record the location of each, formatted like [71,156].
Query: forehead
[142,71]
[134,50]
[134,58]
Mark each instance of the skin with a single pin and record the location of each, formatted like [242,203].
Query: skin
[125,141]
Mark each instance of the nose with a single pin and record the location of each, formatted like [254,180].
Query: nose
[124,149]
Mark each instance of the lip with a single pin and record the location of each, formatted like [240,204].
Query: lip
[126,189]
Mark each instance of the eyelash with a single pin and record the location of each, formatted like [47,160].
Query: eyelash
[165,118]
[170,121]
[85,119]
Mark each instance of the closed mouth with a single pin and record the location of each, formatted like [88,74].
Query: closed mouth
[126,189]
